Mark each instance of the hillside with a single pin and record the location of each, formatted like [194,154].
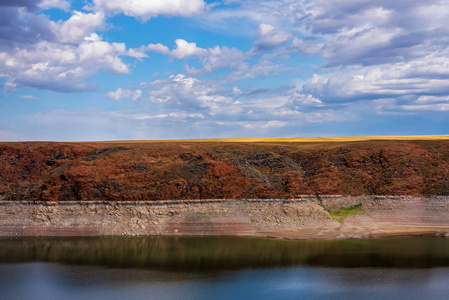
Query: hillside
[222,169]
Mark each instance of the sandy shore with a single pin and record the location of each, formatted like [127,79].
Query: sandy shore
[303,218]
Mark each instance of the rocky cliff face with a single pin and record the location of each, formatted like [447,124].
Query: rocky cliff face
[201,170]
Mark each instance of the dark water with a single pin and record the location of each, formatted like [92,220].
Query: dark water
[223,268]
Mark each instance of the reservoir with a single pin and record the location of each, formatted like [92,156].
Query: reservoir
[223,268]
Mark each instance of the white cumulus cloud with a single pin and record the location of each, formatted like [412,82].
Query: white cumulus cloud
[123,94]
[211,59]
[185,49]
[146,9]
[61,67]
[159,48]
[78,26]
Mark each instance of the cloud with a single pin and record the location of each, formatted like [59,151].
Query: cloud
[217,57]
[145,10]
[98,125]
[18,26]
[28,4]
[391,55]
[369,33]
[61,4]
[78,26]
[256,124]
[242,20]
[432,99]
[159,48]
[260,118]
[182,93]
[211,59]
[229,107]
[60,67]
[220,57]
[263,67]
[188,93]
[427,103]
[428,107]
[39,53]
[419,84]
[346,33]
[382,81]
[123,94]
[185,49]
[182,50]
[299,101]
[270,38]
[28,97]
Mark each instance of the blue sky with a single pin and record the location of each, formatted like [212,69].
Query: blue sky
[165,69]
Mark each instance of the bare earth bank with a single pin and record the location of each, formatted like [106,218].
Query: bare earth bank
[306,217]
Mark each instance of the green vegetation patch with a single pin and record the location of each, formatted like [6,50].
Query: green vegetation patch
[339,215]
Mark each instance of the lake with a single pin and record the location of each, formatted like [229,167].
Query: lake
[223,268]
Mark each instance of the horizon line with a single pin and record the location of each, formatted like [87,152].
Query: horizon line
[265,139]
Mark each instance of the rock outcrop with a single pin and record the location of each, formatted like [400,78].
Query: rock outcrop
[307,217]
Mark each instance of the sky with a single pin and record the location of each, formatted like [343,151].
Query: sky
[167,69]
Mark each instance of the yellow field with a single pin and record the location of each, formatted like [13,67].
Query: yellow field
[299,139]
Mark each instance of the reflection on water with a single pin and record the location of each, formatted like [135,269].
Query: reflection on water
[53,281]
[227,253]
[223,268]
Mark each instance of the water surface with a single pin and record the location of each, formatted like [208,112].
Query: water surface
[223,268]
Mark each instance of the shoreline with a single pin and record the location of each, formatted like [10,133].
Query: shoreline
[303,218]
